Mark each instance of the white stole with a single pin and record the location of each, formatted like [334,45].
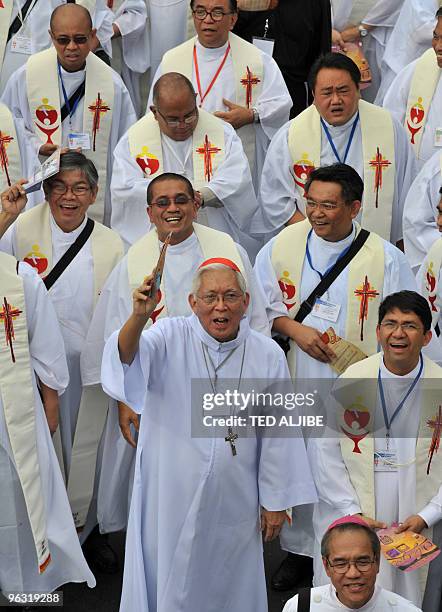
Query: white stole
[208,147]
[44,105]
[423,85]
[5,24]
[143,256]
[10,161]
[16,387]
[365,284]
[248,70]
[304,142]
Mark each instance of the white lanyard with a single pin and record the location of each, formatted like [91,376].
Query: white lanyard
[19,11]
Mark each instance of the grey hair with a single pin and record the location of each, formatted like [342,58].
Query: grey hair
[72,160]
[196,281]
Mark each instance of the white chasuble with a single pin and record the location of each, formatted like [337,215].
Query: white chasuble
[10,163]
[34,245]
[378,150]
[5,23]
[248,78]
[365,284]
[358,446]
[45,101]
[17,395]
[423,85]
[208,147]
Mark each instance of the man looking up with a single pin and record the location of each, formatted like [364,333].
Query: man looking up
[72,98]
[171,207]
[288,275]
[234,79]
[339,127]
[223,489]
[415,98]
[395,476]
[41,237]
[177,137]
[351,552]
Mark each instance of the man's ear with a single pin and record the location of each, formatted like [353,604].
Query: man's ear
[192,301]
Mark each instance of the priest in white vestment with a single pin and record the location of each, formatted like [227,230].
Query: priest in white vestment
[17,156]
[205,553]
[371,23]
[386,467]
[38,542]
[339,127]
[411,36]
[176,137]
[288,275]
[96,117]
[24,33]
[41,236]
[234,79]
[420,211]
[350,552]
[415,98]
[191,244]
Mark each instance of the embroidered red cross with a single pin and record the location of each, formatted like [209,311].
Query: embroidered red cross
[207,150]
[365,293]
[380,164]
[4,161]
[98,108]
[7,314]
[249,81]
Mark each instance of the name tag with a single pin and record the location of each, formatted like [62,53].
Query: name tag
[21,44]
[326,310]
[79,140]
[265,45]
[438,137]
[385,461]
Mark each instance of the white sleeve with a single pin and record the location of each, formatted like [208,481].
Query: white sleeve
[274,102]
[432,513]
[131,19]
[291,605]
[268,283]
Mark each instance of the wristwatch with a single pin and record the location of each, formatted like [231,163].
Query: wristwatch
[255,115]
[362,31]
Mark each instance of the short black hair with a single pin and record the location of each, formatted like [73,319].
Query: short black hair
[371,534]
[337,61]
[406,301]
[74,160]
[439,13]
[352,185]
[168,176]
[233,5]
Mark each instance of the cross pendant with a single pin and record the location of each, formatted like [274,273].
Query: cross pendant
[231,437]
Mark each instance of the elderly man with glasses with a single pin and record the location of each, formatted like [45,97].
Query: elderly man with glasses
[68,97]
[178,137]
[351,554]
[74,255]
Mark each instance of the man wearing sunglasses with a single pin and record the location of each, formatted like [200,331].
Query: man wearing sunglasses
[351,554]
[68,97]
[233,79]
[178,137]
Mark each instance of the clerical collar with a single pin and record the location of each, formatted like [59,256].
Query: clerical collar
[208,52]
[339,245]
[222,347]
[62,236]
[67,74]
[365,608]
[386,373]
[186,245]
[341,128]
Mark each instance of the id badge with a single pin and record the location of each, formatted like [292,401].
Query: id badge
[265,45]
[21,44]
[326,310]
[79,140]
[438,137]
[385,461]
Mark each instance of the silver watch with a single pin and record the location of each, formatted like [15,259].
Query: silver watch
[362,31]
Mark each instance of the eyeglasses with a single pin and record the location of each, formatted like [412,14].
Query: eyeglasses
[215,14]
[342,567]
[176,122]
[327,206]
[65,40]
[179,200]
[392,326]
[61,189]
[230,297]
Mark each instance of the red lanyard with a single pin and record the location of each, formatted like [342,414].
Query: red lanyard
[197,73]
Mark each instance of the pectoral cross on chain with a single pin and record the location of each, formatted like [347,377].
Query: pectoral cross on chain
[231,437]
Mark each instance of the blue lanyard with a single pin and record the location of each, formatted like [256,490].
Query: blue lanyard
[400,406]
[72,110]
[350,140]
[309,258]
